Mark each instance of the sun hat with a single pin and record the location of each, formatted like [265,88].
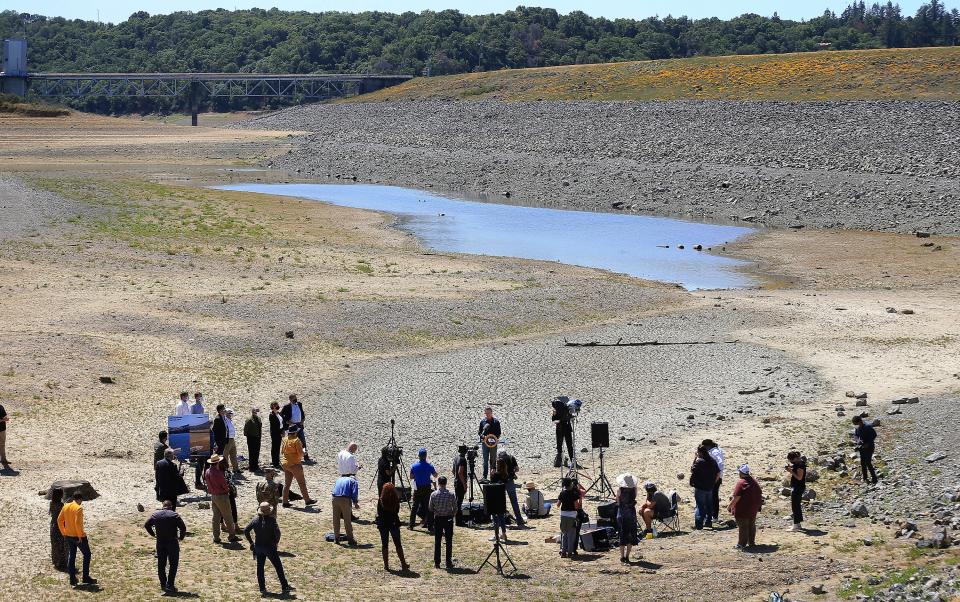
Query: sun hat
[650,485]
[530,485]
[266,508]
[627,480]
[744,469]
[215,459]
[228,411]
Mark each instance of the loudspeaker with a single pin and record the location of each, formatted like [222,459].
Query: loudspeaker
[494,498]
[475,513]
[607,510]
[599,434]
[597,540]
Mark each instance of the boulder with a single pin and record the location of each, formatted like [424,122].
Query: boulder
[809,494]
[938,539]
[936,456]
[859,510]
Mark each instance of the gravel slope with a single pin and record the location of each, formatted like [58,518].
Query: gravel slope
[891,166]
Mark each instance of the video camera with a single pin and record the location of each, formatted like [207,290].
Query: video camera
[471,451]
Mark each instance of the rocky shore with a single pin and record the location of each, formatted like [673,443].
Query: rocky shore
[885,166]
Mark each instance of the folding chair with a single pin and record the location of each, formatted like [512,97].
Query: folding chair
[672,521]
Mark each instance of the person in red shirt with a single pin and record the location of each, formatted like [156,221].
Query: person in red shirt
[745,505]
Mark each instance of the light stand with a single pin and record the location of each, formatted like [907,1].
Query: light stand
[601,483]
[498,548]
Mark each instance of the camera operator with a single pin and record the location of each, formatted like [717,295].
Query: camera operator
[488,426]
[386,467]
[460,477]
[560,414]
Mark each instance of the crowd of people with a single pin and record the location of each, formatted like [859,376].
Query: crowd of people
[434,504]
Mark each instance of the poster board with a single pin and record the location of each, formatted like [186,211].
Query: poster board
[189,432]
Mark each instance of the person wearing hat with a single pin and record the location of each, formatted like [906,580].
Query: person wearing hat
[168,528]
[252,431]
[745,505]
[626,500]
[535,506]
[269,490]
[422,474]
[265,545]
[230,449]
[219,491]
[291,459]
[657,506]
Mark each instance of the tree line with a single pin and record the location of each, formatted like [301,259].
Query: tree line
[448,41]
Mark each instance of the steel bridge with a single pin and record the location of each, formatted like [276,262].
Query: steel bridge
[195,85]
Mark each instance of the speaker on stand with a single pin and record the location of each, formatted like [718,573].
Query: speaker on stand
[600,439]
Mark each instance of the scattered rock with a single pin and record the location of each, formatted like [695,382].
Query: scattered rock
[859,510]
[936,456]
[288,334]
[140,508]
[906,400]
[203,506]
[906,312]
[818,589]
[107,380]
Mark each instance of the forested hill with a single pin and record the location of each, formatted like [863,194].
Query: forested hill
[448,41]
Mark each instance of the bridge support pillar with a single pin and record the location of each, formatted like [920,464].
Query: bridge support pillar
[194,93]
[14,85]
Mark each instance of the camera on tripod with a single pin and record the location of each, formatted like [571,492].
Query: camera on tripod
[472,452]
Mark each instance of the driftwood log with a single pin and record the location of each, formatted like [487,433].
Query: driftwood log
[620,343]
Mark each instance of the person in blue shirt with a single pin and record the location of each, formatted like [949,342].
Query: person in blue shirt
[865,437]
[197,407]
[346,493]
[422,474]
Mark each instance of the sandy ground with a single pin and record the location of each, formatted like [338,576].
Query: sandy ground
[112,274]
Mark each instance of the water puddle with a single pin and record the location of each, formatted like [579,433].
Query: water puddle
[629,244]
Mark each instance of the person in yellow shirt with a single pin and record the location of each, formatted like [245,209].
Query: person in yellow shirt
[291,460]
[70,523]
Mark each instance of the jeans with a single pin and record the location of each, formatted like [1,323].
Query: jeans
[704,498]
[715,508]
[443,527]
[533,512]
[511,488]
[73,544]
[303,439]
[796,496]
[167,550]
[866,462]
[568,535]
[262,554]
[489,454]
[747,530]
[461,492]
[421,503]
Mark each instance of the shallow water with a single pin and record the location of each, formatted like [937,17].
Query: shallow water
[627,244]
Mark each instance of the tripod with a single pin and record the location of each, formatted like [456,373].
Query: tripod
[471,479]
[395,463]
[498,548]
[601,483]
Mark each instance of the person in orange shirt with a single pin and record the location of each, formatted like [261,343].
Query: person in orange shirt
[291,460]
[70,522]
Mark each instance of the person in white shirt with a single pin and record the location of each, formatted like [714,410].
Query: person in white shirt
[535,506]
[347,460]
[183,406]
[230,449]
[717,454]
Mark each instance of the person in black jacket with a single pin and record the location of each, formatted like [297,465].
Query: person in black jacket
[169,530]
[703,475]
[276,434]
[865,436]
[219,430]
[267,532]
[168,477]
[252,430]
[293,415]
[797,469]
[488,426]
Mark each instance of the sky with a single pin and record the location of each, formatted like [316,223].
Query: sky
[118,10]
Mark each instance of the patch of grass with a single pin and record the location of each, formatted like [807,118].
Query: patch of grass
[856,587]
[902,73]
[12,104]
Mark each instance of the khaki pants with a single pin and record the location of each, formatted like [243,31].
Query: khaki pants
[342,510]
[290,473]
[3,445]
[221,510]
[230,453]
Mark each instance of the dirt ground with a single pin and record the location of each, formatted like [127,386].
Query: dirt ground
[116,262]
